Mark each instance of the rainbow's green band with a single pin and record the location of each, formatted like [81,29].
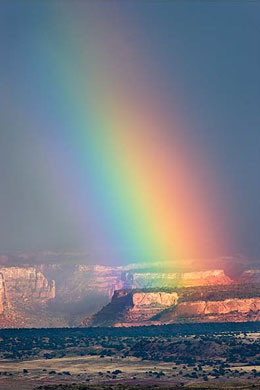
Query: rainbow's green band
[123,165]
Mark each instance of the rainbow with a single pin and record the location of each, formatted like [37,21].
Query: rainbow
[137,186]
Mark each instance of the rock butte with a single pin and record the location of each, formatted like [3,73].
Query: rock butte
[130,308]
[20,286]
[28,292]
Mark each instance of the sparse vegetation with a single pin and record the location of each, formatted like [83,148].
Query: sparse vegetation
[175,354]
[140,387]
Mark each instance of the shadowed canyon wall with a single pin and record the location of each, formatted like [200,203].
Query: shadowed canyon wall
[63,295]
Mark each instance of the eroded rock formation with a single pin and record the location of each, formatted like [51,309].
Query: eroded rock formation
[133,308]
[3,295]
[63,295]
[202,308]
[186,279]
[250,276]
[154,298]
[22,289]
[26,285]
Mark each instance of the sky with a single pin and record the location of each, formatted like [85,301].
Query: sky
[130,129]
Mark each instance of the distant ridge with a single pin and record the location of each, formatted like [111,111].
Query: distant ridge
[58,295]
[223,303]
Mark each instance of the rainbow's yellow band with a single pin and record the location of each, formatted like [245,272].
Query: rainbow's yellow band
[137,186]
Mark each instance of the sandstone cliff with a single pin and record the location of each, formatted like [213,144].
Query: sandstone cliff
[4,303]
[134,307]
[26,285]
[186,279]
[130,306]
[250,276]
[63,295]
[76,281]
[230,309]
[154,298]
[22,290]
[82,290]
[146,305]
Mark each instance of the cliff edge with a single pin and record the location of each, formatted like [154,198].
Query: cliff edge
[189,304]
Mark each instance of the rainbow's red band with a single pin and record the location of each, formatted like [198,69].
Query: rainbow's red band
[135,185]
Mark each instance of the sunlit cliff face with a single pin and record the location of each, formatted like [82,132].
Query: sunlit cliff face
[58,294]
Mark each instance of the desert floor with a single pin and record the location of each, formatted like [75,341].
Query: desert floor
[95,370]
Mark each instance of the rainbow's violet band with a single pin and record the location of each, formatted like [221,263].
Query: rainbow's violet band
[137,187]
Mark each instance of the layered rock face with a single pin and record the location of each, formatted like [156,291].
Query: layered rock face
[3,297]
[22,290]
[63,295]
[82,290]
[77,281]
[218,307]
[26,285]
[146,305]
[132,307]
[186,279]
[250,276]
[222,303]
[154,298]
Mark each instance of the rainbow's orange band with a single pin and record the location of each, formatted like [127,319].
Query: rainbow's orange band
[129,174]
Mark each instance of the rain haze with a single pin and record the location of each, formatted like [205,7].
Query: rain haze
[130,131]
